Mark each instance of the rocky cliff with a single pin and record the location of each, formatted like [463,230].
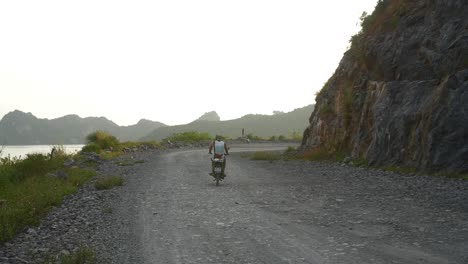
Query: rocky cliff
[399,96]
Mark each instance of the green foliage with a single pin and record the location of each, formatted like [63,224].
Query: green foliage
[290,149]
[348,105]
[103,139]
[320,154]
[77,177]
[27,192]
[16,170]
[108,182]
[405,170]
[92,147]
[189,137]
[326,109]
[323,89]
[126,163]
[296,136]
[131,144]
[360,162]
[386,13]
[253,137]
[82,256]
[281,138]
[273,138]
[265,155]
[108,147]
[367,21]
[109,155]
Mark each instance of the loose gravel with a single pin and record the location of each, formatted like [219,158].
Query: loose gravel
[380,216]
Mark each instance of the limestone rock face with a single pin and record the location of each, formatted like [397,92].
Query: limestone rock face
[400,94]
[209,116]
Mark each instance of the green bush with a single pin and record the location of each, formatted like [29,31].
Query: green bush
[92,147]
[189,137]
[296,136]
[264,155]
[82,256]
[253,137]
[290,150]
[103,139]
[108,182]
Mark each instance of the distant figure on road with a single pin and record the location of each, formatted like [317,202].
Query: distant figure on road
[220,152]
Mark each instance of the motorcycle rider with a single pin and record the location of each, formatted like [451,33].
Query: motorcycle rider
[220,152]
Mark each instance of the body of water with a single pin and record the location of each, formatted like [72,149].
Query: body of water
[21,151]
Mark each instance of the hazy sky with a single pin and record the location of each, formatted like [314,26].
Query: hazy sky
[169,61]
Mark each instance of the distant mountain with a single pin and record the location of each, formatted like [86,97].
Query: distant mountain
[259,125]
[210,116]
[19,128]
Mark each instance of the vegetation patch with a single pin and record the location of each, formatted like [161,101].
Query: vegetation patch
[189,137]
[290,150]
[326,109]
[108,182]
[126,163]
[83,255]
[405,170]
[31,186]
[319,154]
[360,162]
[265,155]
[108,147]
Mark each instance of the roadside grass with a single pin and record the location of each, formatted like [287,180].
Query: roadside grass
[132,144]
[108,182]
[126,163]
[319,155]
[27,193]
[265,155]
[360,162]
[83,255]
[270,155]
[189,137]
[322,155]
[130,162]
[405,170]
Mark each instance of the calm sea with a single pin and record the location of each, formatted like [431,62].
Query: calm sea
[21,151]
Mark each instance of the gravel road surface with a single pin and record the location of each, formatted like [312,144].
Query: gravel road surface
[170,211]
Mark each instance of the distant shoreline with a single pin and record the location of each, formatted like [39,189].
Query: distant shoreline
[22,150]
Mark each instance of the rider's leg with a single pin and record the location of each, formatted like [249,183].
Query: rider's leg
[212,168]
[224,166]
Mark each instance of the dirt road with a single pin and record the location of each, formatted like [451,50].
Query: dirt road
[170,211]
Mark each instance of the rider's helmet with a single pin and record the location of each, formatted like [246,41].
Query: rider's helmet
[218,137]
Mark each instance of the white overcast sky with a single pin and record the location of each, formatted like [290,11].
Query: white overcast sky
[169,61]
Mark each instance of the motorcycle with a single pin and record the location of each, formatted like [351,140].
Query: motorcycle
[217,164]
